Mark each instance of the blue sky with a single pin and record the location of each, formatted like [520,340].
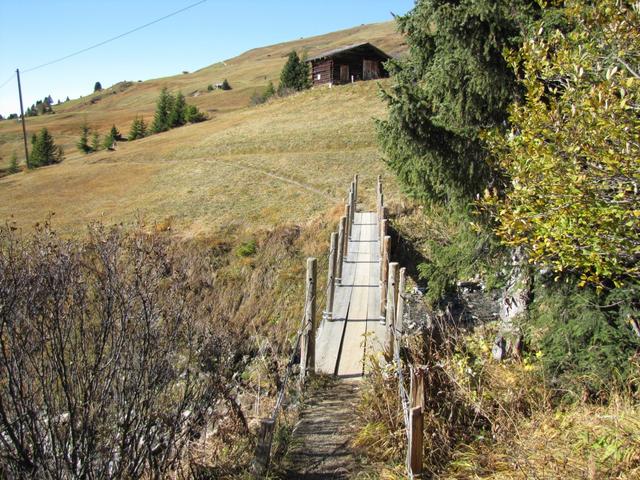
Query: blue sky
[33,32]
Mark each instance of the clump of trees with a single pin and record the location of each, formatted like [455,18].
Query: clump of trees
[109,369]
[44,151]
[520,122]
[173,111]
[41,107]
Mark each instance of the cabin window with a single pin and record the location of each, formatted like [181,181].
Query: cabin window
[319,76]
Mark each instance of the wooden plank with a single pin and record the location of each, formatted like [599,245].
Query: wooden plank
[352,353]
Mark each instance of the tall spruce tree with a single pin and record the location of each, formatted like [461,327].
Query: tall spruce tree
[45,151]
[453,84]
[295,74]
[138,129]
[178,111]
[163,111]
[83,142]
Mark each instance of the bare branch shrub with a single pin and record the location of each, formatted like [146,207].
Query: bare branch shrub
[106,370]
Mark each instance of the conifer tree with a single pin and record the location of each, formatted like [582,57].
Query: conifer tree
[294,75]
[225,85]
[453,84]
[83,143]
[115,133]
[178,110]
[95,142]
[45,151]
[164,107]
[97,87]
[193,115]
[138,129]
[13,165]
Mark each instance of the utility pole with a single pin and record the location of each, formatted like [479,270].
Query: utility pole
[24,128]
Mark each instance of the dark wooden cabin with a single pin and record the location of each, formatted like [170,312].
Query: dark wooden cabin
[349,64]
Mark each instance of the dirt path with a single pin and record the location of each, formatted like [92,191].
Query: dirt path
[320,447]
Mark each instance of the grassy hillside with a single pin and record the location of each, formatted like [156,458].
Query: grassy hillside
[246,73]
[293,156]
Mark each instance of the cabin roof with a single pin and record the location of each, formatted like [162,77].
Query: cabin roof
[356,48]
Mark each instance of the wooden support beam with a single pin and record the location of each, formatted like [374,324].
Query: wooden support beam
[341,248]
[414,457]
[331,276]
[392,296]
[262,456]
[384,272]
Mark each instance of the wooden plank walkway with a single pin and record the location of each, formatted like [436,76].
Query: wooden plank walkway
[354,333]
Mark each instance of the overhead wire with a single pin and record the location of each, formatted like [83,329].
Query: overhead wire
[104,42]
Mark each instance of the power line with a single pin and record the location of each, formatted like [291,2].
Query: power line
[113,38]
[7,81]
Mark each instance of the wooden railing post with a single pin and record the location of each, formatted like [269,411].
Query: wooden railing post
[308,339]
[414,457]
[331,277]
[263,448]
[399,329]
[392,295]
[383,231]
[352,209]
[340,255]
[384,272]
[347,229]
[355,189]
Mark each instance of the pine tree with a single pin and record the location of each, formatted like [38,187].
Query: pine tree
[138,129]
[453,84]
[178,110]
[97,87]
[225,85]
[295,74]
[163,110]
[13,165]
[45,151]
[115,133]
[95,142]
[83,143]
[269,92]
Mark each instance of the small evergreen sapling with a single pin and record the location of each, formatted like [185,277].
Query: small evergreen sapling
[83,143]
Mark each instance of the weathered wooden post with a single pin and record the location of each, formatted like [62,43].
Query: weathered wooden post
[308,338]
[331,276]
[384,272]
[416,388]
[392,295]
[384,225]
[353,208]
[355,189]
[262,456]
[347,229]
[402,282]
[340,255]
[414,453]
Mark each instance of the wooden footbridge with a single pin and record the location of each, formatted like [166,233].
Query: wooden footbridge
[362,318]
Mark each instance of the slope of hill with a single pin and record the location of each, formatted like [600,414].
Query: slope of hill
[246,73]
[292,156]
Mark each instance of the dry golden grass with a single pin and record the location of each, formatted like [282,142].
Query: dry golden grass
[247,168]
[286,161]
[246,73]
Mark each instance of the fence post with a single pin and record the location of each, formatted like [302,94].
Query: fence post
[347,229]
[402,282]
[416,388]
[331,277]
[308,338]
[355,189]
[392,295]
[352,210]
[340,255]
[384,224]
[384,272]
[414,453]
[263,448]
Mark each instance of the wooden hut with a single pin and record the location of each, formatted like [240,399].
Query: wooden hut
[349,64]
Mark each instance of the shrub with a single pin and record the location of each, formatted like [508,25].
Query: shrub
[210,88]
[225,85]
[83,143]
[106,371]
[247,249]
[13,165]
